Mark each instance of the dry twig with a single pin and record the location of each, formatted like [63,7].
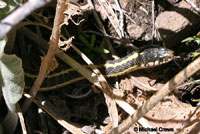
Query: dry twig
[121,17]
[187,121]
[193,5]
[21,118]
[153,19]
[157,97]
[86,73]
[19,14]
[112,107]
[107,8]
[62,122]
[101,27]
[53,49]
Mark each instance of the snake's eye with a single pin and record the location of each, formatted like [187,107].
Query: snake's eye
[165,53]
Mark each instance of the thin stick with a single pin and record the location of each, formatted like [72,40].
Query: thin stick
[101,27]
[153,20]
[112,107]
[19,14]
[193,6]
[21,118]
[157,97]
[53,48]
[84,72]
[62,122]
[187,121]
[107,8]
[121,18]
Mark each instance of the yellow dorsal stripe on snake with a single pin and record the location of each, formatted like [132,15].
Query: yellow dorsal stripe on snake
[147,58]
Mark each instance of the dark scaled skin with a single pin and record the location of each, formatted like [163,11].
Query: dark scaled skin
[149,55]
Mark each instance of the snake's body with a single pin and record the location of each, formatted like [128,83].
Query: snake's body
[146,58]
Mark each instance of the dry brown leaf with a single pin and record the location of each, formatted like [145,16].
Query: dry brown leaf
[65,45]
[143,83]
[170,113]
[71,11]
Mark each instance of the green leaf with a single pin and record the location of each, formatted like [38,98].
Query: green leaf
[198,42]
[10,6]
[197,100]
[195,54]
[92,40]
[191,39]
[101,50]
[88,53]
[11,77]
[84,40]
[90,56]
[67,32]
[18,2]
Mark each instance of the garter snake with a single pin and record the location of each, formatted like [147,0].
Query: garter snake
[145,58]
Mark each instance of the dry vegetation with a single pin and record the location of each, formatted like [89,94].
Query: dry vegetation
[53,36]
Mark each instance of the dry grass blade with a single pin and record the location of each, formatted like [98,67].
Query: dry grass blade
[111,16]
[62,122]
[101,26]
[193,5]
[21,118]
[166,89]
[18,15]
[53,48]
[93,79]
[112,107]
[121,17]
[64,57]
[130,110]
[187,121]
[83,71]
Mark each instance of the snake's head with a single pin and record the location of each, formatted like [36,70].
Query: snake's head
[155,56]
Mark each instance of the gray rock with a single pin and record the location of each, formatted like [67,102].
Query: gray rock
[174,26]
[135,31]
